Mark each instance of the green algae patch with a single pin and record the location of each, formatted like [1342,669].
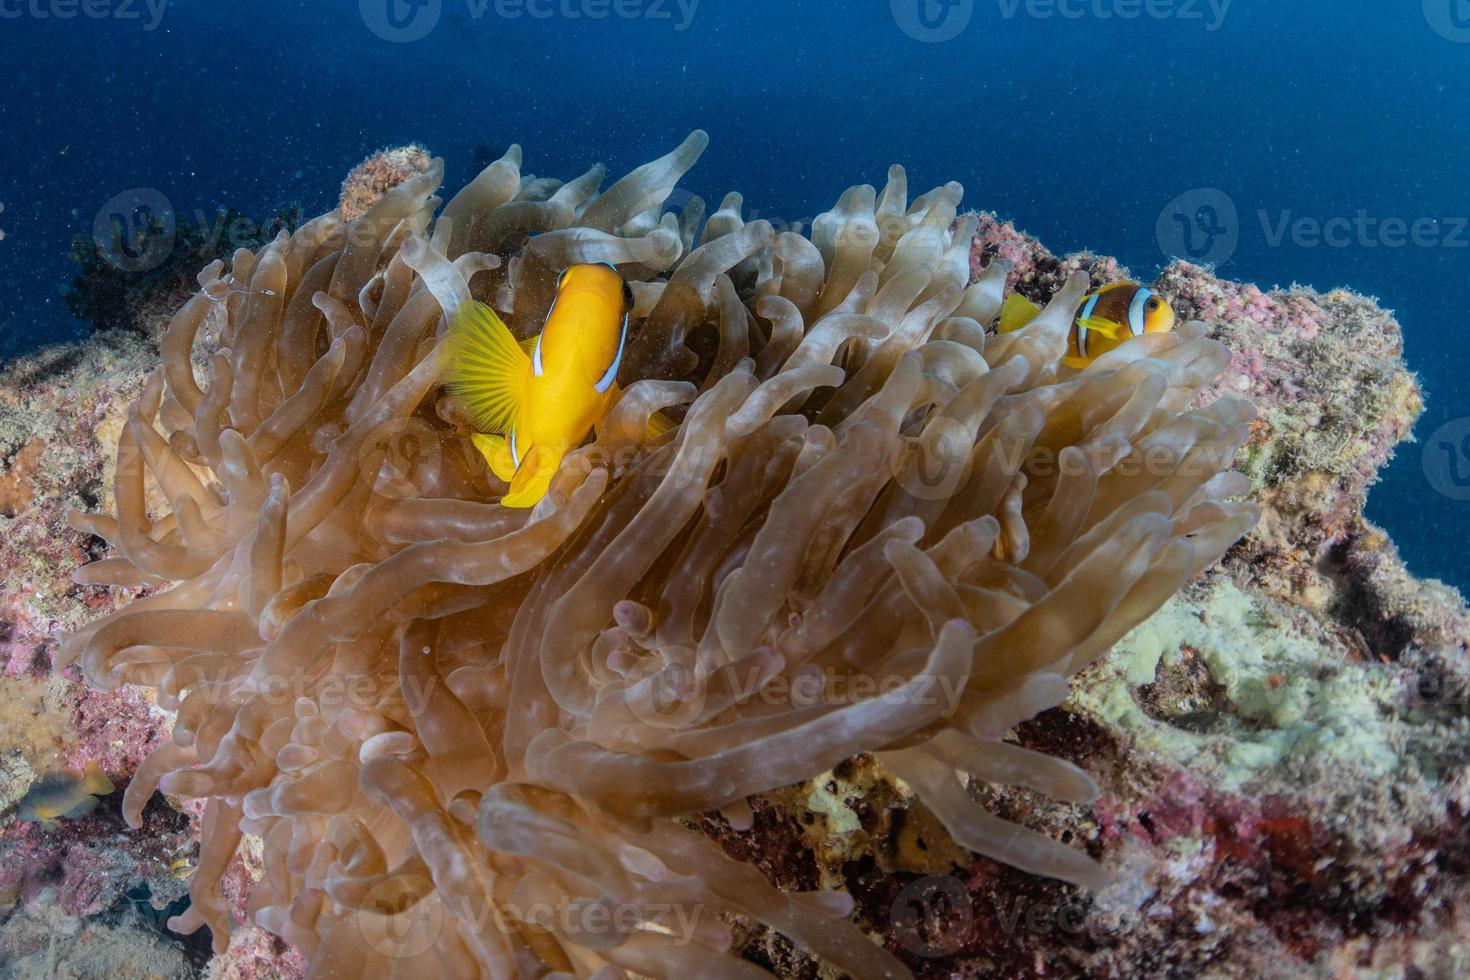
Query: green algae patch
[1232,682]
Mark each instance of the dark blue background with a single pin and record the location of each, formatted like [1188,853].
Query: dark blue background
[1081,130]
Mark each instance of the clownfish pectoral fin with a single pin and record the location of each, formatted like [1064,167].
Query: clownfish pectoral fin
[1102,327]
[1017,312]
[486,368]
[538,465]
[496,450]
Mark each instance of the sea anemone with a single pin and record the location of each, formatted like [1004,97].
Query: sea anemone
[467,735]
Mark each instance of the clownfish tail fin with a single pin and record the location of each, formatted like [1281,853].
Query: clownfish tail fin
[486,368]
[1017,312]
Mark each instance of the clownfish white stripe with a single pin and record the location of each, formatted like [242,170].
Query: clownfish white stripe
[1135,311]
[1087,310]
[608,378]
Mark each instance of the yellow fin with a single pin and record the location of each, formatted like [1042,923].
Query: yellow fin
[1102,327]
[1017,312]
[533,479]
[658,424]
[497,453]
[529,345]
[95,781]
[486,369]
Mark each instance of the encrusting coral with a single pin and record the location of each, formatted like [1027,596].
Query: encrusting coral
[466,734]
[378,174]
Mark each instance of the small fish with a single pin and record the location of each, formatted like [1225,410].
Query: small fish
[1115,313]
[531,402]
[67,793]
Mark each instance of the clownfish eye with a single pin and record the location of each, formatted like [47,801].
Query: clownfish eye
[1152,304]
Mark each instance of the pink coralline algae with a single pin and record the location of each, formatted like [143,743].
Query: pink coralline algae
[55,408]
[378,174]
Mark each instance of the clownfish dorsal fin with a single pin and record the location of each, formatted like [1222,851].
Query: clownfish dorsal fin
[486,368]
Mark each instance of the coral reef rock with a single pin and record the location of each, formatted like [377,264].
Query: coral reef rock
[379,174]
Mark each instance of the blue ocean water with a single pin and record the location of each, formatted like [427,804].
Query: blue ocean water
[1080,119]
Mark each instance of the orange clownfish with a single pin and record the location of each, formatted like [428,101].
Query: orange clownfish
[531,402]
[1114,314]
